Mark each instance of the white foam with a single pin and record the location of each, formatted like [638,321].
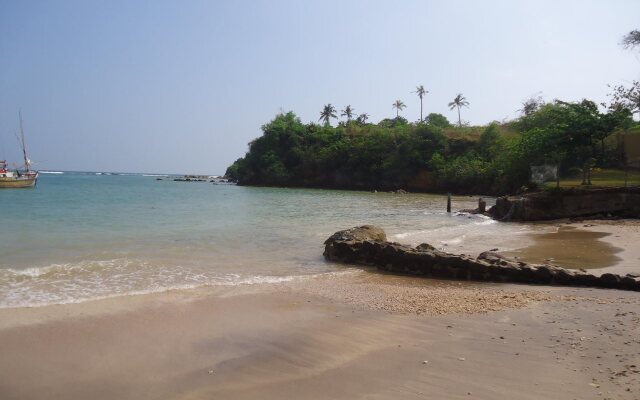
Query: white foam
[454,241]
[486,222]
[51,172]
[94,280]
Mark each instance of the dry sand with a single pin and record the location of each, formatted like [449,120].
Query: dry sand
[362,335]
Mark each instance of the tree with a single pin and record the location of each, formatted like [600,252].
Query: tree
[531,105]
[489,142]
[347,112]
[625,97]
[399,106]
[327,113]
[459,101]
[631,39]
[421,92]
[438,120]
[362,118]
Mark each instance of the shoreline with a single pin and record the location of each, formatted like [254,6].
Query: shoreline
[365,334]
[329,340]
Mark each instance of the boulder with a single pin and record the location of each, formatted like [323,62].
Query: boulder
[360,233]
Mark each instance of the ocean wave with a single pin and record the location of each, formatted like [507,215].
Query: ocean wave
[66,269]
[95,280]
[51,172]
[454,241]
[486,222]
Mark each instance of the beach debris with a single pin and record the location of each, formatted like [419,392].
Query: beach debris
[461,359]
[425,362]
[210,371]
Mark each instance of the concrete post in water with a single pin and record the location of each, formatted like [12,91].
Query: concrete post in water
[482,205]
[448,202]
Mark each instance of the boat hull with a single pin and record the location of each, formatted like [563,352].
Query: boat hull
[17,183]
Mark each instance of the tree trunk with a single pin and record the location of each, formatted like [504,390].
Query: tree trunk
[459,120]
[558,174]
[420,109]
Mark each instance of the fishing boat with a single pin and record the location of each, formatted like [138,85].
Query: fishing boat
[18,178]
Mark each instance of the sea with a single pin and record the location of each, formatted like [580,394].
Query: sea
[85,236]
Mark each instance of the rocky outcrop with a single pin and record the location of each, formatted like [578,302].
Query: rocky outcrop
[568,203]
[367,245]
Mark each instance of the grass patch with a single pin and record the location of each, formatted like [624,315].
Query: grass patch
[601,178]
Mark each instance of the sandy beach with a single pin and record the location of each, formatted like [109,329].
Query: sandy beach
[589,244]
[359,335]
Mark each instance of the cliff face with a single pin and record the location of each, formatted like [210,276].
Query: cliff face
[567,204]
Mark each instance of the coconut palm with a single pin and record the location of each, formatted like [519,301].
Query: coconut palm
[327,113]
[459,101]
[362,118]
[421,92]
[347,112]
[399,106]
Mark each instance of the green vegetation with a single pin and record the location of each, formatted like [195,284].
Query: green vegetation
[458,102]
[399,106]
[585,145]
[420,91]
[433,155]
[602,178]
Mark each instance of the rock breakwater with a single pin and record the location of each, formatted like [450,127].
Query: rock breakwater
[569,203]
[367,245]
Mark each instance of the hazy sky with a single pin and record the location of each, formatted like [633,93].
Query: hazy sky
[183,86]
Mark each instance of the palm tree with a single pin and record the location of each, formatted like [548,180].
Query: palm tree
[399,106]
[327,113]
[362,118]
[347,112]
[421,92]
[459,101]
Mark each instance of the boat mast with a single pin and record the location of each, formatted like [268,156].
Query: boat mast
[24,150]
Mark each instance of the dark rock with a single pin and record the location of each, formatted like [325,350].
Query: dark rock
[367,245]
[365,232]
[628,283]
[544,274]
[609,280]
[569,203]
[564,276]
[582,278]
[491,257]
[425,247]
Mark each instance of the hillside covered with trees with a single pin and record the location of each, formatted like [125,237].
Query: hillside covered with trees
[433,155]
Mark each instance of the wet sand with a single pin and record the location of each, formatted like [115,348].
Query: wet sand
[358,335]
[597,245]
[301,340]
[569,247]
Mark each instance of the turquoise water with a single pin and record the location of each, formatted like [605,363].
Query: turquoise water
[84,236]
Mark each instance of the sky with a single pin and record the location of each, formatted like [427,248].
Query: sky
[183,86]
